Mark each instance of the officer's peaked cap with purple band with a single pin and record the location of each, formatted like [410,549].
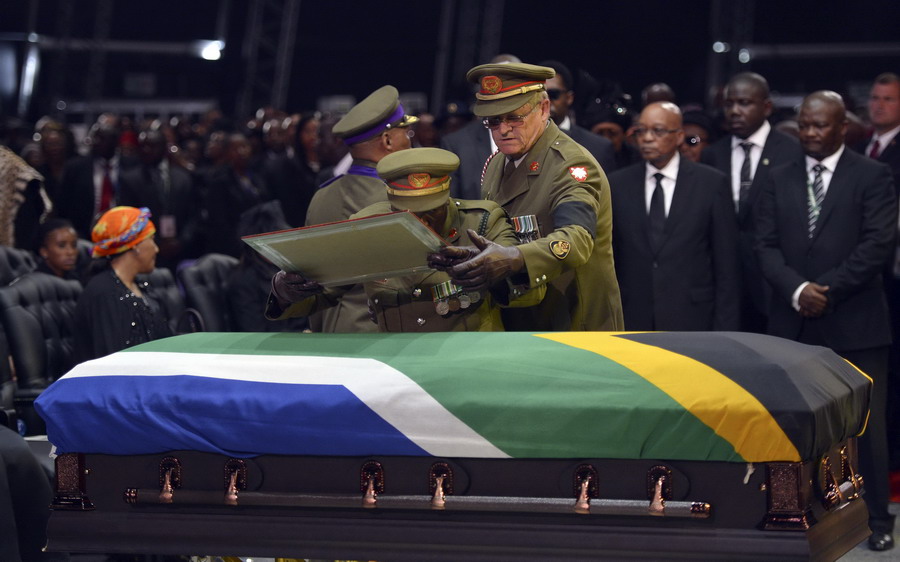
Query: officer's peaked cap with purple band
[380,111]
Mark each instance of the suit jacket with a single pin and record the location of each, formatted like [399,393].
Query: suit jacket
[144,186]
[779,148]
[692,282]
[473,146]
[76,192]
[890,155]
[560,183]
[601,148]
[853,239]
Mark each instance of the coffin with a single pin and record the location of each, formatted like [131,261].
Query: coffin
[460,446]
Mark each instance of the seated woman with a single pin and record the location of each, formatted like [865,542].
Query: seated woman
[114,311]
[57,246]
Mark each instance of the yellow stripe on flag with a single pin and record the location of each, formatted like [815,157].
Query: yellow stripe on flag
[716,400]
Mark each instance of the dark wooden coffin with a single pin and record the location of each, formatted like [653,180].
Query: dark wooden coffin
[418,508]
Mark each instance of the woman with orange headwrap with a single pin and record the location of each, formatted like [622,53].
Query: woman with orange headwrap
[115,311]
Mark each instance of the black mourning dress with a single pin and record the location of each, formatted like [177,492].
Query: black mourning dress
[109,317]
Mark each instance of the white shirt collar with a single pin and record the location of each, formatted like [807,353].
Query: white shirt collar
[830,162]
[669,171]
[885,139]
[758,138]
[566,124]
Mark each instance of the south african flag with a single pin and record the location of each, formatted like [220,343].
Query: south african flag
[718,396]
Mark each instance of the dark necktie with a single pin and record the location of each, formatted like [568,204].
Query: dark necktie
[106,189]
[746,178]
[508,169]
[818,194]
[657,214]
[876,150]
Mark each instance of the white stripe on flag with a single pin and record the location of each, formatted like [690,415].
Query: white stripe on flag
[388,392]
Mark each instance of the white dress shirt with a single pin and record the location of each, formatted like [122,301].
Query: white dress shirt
[670,174]
[883,139]
[758,139]
[829,162]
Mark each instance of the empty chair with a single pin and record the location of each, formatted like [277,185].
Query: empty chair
[37,313]
[160,283]
[205,288]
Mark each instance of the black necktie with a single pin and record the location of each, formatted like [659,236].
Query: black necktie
[746,178]
[657,214]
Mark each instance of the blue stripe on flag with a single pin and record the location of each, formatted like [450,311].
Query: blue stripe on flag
[136,415]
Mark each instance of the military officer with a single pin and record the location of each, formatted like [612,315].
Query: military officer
[558,197]
[417,180]
[373,128]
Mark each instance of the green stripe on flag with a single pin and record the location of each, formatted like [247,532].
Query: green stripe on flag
[529,396]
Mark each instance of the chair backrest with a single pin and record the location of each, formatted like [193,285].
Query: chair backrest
[15,262]
[205,288]
[163,288]
[38,315]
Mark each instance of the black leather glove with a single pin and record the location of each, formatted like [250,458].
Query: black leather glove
[449,256]
[492,263]
[293,287]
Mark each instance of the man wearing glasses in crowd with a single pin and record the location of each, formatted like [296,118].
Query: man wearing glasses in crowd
[562,98]
[675,237]
[558,199]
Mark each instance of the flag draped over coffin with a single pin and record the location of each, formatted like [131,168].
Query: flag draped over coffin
[717,396]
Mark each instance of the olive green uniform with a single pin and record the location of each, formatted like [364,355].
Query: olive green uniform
[405,304]
[335,202]
[565,187]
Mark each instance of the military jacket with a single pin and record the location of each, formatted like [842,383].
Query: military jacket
[337,201]
[560,183]
[406,304]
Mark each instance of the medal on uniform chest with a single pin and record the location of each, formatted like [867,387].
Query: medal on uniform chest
[526,227]
[442,294]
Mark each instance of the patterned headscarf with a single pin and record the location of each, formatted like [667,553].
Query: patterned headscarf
[121,229]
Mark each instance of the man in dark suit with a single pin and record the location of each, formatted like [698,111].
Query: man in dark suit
[559,88]
[884,114]
[89,184]
[169,192]
[472,143]
[674,234]
[747,107]
[826,227]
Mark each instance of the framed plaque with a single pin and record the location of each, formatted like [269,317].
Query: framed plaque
[351,251]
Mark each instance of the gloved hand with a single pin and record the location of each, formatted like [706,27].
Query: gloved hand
[492,263]
[293,287]
[449,256]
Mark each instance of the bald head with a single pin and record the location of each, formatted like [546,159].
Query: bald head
[822,123]
[658,132]
[752,79]
[746,104]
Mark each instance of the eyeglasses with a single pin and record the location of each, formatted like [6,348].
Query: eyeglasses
[554,93]
[658,132]
[511,120]
[693,141]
